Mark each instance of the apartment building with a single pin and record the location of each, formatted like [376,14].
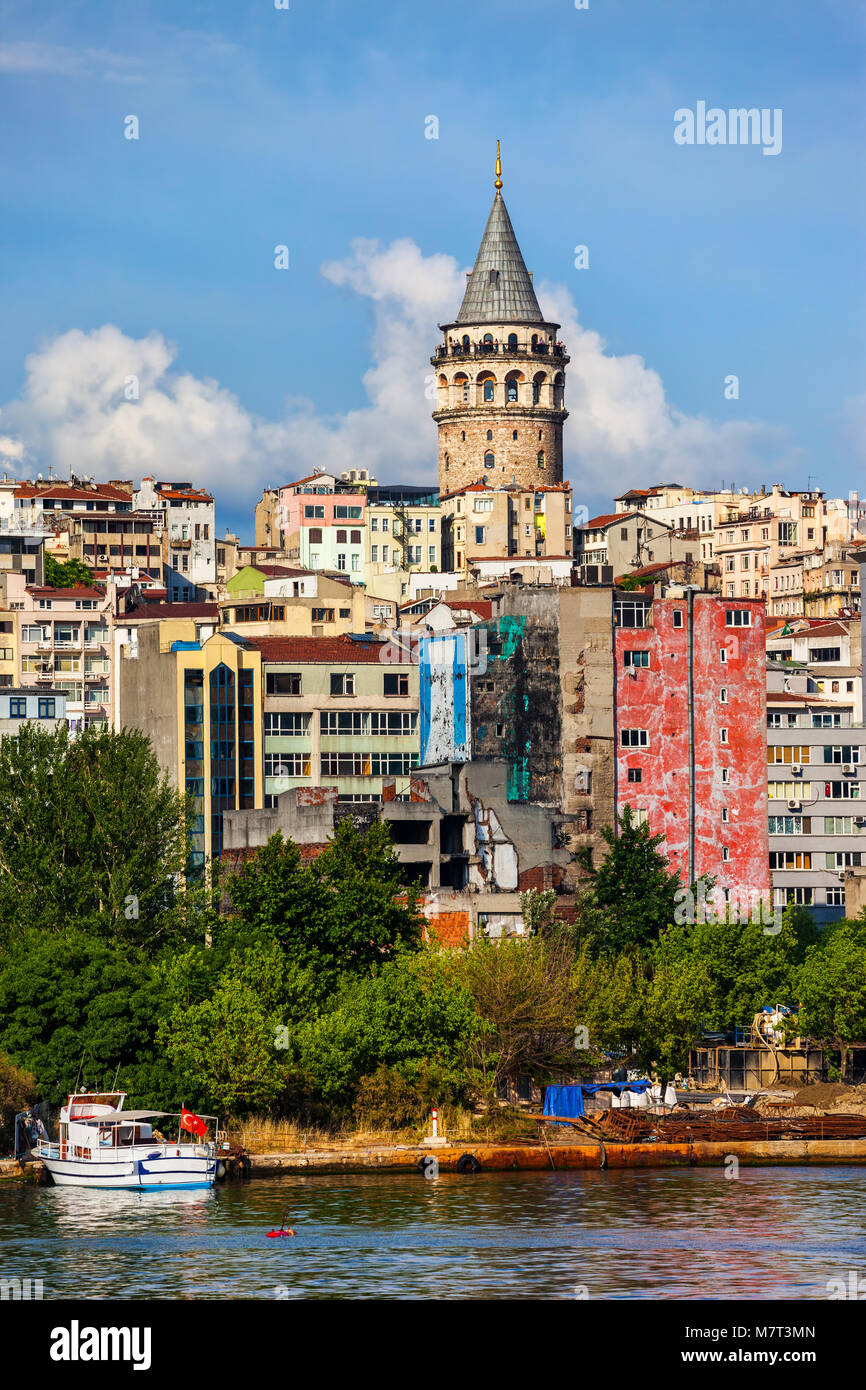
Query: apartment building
[29,704]
[284,601]
[97,522]
[829,655]
[65,646]
[690,709]
[200,703]
[318,523]
[632,541]
[482,523]
[750,542]
[689,509]
[831,580]
[816,776]
[338,712]
[188,534]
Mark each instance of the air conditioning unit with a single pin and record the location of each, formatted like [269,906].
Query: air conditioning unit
[795,805]
[796,770]
[860,820]
[848,770]
[102,559]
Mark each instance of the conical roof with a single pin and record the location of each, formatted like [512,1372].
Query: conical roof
[499,289]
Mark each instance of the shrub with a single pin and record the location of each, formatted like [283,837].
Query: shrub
[17,1091]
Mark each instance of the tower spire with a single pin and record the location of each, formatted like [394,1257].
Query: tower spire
[498,184]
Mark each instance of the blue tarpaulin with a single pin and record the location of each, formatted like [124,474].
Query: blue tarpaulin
[568,1100]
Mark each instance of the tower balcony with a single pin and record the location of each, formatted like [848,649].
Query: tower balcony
[465,352]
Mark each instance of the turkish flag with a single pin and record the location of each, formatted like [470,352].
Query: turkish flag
[192,1122]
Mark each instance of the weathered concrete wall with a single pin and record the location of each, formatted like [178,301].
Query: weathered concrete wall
[730,775]
[149,698]
[588,746]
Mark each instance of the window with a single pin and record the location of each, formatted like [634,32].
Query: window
[342,683]
[489,460]
[726,774]
[786,825]
[835,897]
[726,815]
[540,458]
[284,725]
[723,695]
[511,392]
[355,538]
[678,617]
[18,709]
[842,791]
[634,658]
[783,897]
[842,753]
[431,554]
[314,512]
[315,535]
[723,655]
[844,859]
[46,709]
[356,561]
[488,390]
[633,612]
[341,538]
[789,859]
[374,554]
[738,617]
[396,683]
[726,853]
[635,774]
[282,683]
[723,735]
[821,655]
[633,738]
[287,764]
[841,825]
[789,753]
[480,533]
[341,560]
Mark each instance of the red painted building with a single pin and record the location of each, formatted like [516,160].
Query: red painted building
[690,720]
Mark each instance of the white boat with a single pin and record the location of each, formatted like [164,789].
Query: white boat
[103,1145]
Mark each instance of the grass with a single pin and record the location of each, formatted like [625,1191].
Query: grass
[260,1134]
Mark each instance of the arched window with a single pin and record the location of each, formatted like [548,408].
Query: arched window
[541,458]
[489,460]
[514,434]
[534,341]
[511,391]
[462,434]
[488,390]
[447,460]
[489,434]
[466,343]
[539,434]
[512,342]
[535,392]
[488,339]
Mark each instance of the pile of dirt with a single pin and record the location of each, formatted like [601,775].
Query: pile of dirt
[831,1096]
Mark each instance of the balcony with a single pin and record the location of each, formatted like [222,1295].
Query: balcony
[457,351]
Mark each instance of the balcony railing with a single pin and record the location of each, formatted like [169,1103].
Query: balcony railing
[458,350]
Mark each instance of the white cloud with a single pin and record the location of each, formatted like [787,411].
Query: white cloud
[73,412]
[26,57]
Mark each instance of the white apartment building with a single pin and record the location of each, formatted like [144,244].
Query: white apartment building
[188,536]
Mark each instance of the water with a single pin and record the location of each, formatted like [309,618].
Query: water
[658,1233]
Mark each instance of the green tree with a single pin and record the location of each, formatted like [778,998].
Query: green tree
[92,834]
[67,574]
[411,1015]
[17,1091]
[523,992]
[347,911]
[73,1001]
[830,985]
[226,1047]
[632,886]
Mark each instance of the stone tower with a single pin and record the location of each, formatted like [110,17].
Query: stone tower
[500,373]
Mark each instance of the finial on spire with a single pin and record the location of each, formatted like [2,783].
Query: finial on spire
[498,183]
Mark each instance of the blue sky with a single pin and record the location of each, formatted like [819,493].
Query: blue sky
[305,127]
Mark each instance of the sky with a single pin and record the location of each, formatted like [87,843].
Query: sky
[146,327]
